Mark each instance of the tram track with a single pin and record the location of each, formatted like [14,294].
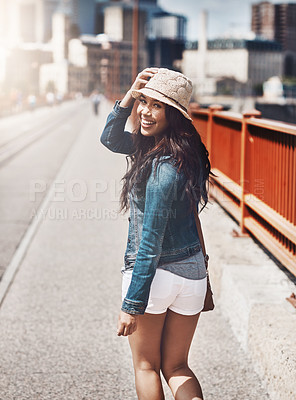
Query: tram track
[19,143]
[18,213]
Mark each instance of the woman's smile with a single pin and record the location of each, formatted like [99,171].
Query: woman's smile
[152,116]
[146,123]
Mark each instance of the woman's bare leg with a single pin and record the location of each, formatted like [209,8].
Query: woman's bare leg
[178,332]
[145,344]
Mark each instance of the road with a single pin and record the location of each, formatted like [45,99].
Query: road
[33,146]
[58,318]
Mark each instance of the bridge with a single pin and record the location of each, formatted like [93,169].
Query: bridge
[62,245]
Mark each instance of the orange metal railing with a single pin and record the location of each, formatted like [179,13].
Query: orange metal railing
[255,163]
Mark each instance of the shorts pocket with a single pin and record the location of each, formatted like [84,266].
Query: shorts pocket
[200,287]
[162,284]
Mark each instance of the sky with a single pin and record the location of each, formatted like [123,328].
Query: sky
[224,16]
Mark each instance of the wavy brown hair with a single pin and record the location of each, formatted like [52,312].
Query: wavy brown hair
[180,140]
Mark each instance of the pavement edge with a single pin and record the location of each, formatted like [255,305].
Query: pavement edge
[253,299]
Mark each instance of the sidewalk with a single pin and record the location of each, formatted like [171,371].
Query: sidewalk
[251,293]
[58,320]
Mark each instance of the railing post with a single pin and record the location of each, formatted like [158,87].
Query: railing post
[245,136]
[212,109]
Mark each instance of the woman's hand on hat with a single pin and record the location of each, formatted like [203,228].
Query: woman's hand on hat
[127,324]
[140,81]
[143,77]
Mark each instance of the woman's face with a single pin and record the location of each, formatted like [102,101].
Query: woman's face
[152,117]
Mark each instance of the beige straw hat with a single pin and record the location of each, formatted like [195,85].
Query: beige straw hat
[170,87]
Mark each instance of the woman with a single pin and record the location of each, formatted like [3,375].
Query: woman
[164,273]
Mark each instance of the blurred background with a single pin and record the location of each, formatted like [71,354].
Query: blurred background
[240,54]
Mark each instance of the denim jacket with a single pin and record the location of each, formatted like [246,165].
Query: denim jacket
[161,230]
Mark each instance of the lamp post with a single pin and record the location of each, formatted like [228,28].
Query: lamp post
[135,39]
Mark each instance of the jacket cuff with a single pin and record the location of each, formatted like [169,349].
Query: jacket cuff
[119,111]
[133,307]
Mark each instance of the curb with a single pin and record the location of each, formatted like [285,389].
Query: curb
[252,298]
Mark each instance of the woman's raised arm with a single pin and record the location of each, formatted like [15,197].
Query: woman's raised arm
[114,136]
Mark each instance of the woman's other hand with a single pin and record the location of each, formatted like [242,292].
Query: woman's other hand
[140,81]
[127,324]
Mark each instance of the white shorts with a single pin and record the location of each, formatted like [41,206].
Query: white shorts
[171,291]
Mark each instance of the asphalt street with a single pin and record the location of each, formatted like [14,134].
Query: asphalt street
[33,146]
[58,318]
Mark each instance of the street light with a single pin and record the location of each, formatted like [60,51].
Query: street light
[135,39]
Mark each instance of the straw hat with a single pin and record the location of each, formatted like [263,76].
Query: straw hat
[170,87]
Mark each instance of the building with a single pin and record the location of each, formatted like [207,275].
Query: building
[149,7]
[79,71]
[263,20]
[247,63]
[30,21]
[97,63]
[61,34]
[107,44]
[162,34]
[166,39]
[23,65]
[55,74]
[103,62]
[278,22]
[49,8]
[85,19]
[285,26]
[27,21]
[115,18]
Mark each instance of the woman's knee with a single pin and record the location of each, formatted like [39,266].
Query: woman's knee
[170,368]
[146,366]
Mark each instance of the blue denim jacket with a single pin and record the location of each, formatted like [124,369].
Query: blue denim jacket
[161,229]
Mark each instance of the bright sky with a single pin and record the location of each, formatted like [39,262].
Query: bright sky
[224,16]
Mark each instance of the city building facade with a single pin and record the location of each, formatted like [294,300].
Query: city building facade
[161,41]
[102,30]
[98,64]
[163,34]
[247,63]
[55,74]
[166,39]
[30,21]
[263,20]
[278,22]
[85,19]
[23,67]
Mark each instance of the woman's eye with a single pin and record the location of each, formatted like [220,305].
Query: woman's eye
[142,101]
[156,105]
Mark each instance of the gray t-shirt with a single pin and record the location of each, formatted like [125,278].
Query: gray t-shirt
[192,267]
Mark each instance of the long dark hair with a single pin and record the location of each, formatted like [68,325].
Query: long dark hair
[180,140]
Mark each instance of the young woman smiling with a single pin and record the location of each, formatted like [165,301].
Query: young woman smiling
[152,117]
[164,272]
